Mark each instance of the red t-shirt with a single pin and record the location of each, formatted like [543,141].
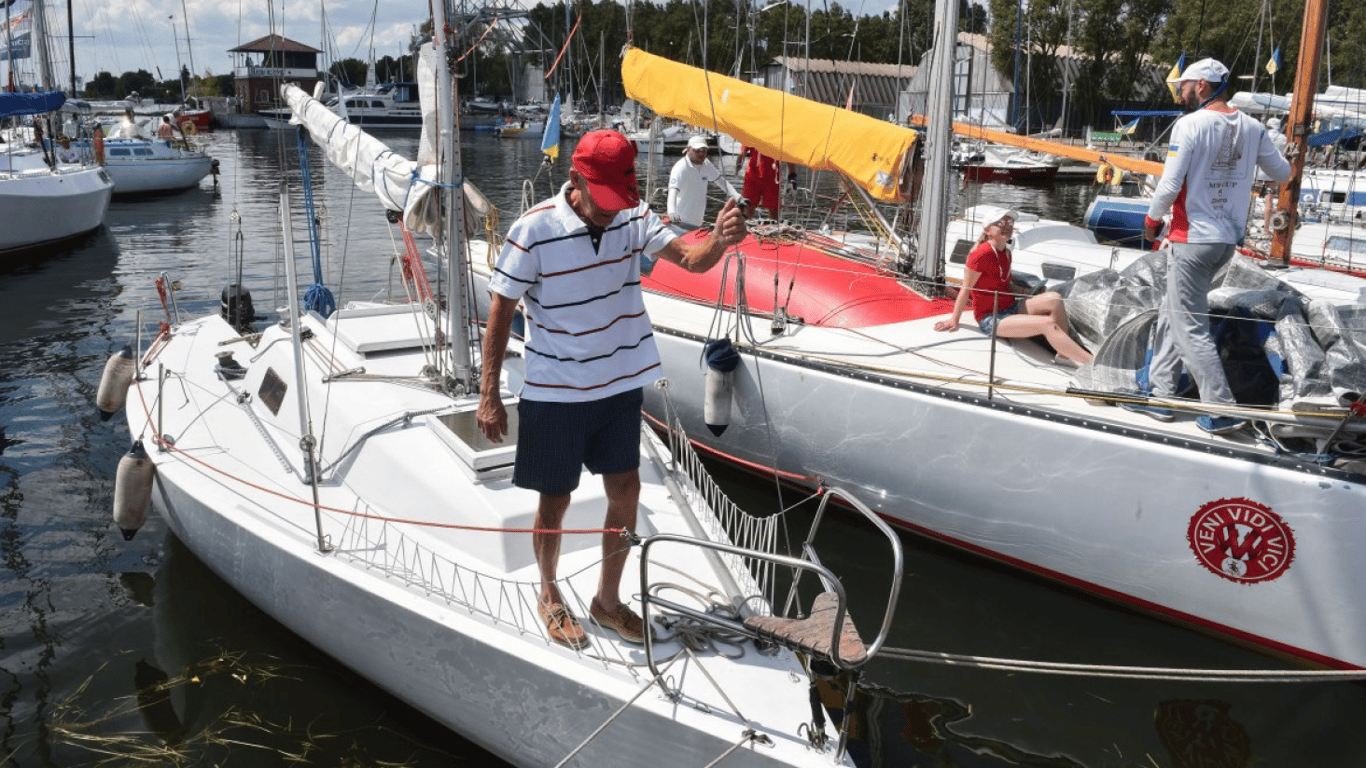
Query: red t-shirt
[993,283]
[761,179]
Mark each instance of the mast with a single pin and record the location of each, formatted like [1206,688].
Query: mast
[1298,127]
[452,176]
[71,46]
[39,38]
[934,192]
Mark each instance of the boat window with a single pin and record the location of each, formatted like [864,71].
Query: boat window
[961,249]
[377,104]
[272,391]
[140,151]
[1343,243]
[1058,271]
[120,152]
[354,103]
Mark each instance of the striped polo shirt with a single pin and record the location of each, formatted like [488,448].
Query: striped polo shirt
[588,336]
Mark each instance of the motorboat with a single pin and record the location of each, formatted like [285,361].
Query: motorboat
[993,445]
[43,201]
[984,162]
[329,467]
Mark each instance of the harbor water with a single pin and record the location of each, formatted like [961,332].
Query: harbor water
[134,653]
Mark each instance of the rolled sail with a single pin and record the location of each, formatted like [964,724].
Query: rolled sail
[789,128]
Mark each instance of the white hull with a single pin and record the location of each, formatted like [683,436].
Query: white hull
[143,167]
[40,207]
[1095,497]
[400,602]
[151,176]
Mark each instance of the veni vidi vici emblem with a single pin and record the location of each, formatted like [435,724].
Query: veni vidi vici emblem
[1241,540]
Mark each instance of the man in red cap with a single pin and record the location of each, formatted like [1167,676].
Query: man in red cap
[575,262]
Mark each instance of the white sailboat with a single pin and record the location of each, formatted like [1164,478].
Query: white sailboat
[43,201]
[331,470]
[140,165]
[990,445]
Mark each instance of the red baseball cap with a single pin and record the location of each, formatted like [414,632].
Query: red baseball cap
[607,161]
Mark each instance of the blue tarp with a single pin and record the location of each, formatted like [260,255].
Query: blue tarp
[15,104]
[1334,136]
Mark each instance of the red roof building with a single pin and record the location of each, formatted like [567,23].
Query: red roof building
[260,67]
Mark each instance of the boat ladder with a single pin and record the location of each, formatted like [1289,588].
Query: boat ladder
[824,633]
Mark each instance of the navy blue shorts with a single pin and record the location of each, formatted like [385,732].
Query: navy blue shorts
[555,441]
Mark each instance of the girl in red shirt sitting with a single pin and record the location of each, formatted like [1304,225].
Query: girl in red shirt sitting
[986,279]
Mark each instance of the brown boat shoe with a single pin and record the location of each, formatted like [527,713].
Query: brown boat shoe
[623,621]
[561,625]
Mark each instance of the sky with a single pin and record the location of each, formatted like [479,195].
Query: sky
[128,35]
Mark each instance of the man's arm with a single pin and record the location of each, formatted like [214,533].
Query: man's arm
[1173,178]
[492,416]
[1271,159]
[724,183]
[728,230]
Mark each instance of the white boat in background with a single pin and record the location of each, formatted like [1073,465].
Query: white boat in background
[140,165]
[993,446]
[42,201]
[330,468]
[984,162]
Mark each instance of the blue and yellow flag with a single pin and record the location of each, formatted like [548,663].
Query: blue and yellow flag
[1128,128]
[1172,85]
[1274,63]
[550,140]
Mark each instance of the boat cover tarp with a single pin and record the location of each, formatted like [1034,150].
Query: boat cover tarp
[1280,348]
[19,104]
[788,128]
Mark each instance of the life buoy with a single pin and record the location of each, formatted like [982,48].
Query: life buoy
[189,128]
[1105,174]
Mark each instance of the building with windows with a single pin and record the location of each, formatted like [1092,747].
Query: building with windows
[260,67]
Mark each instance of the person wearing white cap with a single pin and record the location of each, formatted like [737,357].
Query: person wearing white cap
[687,203]
[1206,185]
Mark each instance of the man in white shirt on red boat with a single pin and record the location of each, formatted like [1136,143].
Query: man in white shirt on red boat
[687,203]
[1206,184]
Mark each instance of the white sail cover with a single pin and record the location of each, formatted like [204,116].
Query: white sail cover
[399,183]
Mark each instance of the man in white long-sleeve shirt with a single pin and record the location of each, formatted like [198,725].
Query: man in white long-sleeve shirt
[1206,184]
[688,182]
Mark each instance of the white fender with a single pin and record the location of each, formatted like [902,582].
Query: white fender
[133,490]
[716,404]
[118,375]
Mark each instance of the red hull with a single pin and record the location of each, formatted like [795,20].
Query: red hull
[814,283]
[202,118]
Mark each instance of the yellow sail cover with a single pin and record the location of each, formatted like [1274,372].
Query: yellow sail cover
[789,128]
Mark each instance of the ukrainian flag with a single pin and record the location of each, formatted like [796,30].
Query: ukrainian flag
[550,140]
[1128,128]
[1174,87]
[1274,63]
